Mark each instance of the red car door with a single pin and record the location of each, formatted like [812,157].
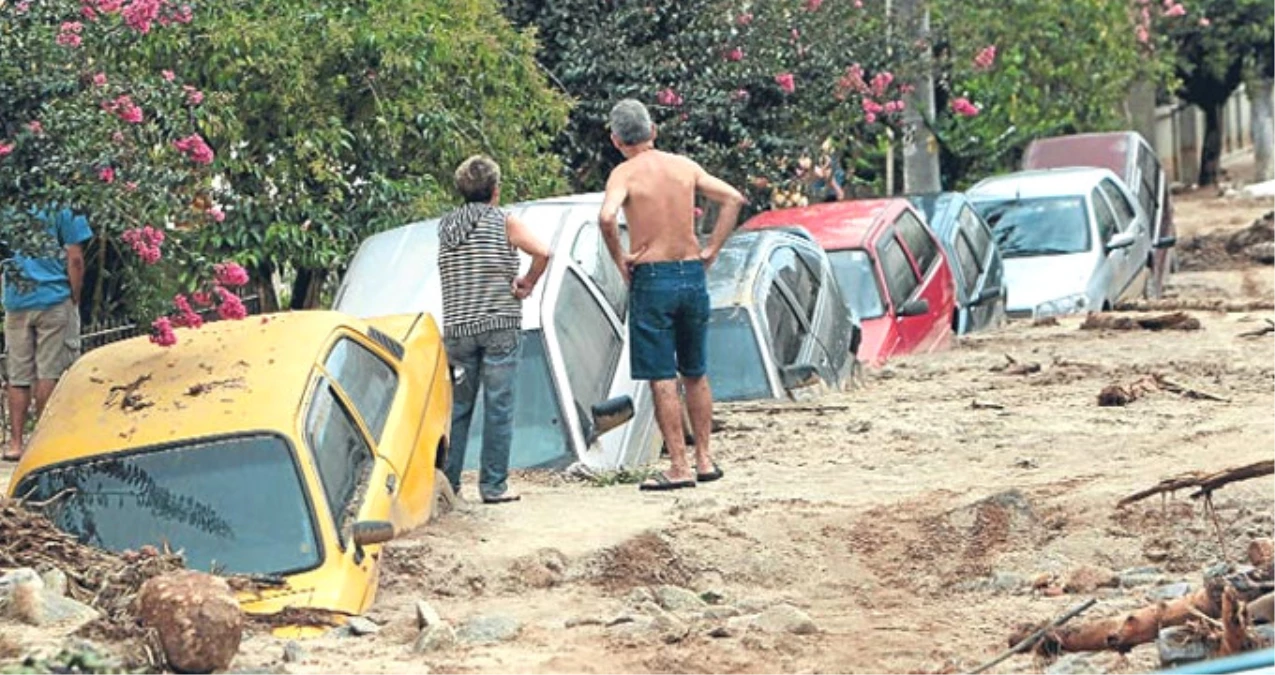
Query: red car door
[931,329]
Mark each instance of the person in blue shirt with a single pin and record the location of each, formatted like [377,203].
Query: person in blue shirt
[42,320]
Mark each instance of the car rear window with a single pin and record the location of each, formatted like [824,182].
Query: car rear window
[232,505]
[735,365]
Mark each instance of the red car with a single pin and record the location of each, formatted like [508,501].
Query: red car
[892,271]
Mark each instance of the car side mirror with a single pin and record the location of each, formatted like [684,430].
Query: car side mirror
[610,414]
[798,376]
[368,532]
[1166,242]
[1121,240]
[915,307]
[987,295]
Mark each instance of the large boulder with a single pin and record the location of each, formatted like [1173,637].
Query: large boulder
[197,617]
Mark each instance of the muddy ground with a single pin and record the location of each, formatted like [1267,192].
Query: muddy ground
[908,523]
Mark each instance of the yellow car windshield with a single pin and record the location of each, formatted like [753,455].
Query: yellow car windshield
[231,505]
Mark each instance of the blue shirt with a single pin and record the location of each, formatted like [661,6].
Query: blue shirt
[52,285]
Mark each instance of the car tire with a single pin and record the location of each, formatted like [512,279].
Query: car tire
[444,497]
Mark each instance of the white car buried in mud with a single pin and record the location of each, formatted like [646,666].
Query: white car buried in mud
[573,383]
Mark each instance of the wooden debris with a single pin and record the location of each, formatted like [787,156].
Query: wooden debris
[1012,366]
[1120,395]
[205,387]
[1205,482]
[1195,304]
[1261,552]
[1235,622]
[1026,643]
[127,395]
[1172,321]
[986,405]
[1045,322]
[1264,330]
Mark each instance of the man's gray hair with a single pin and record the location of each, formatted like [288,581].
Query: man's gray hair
[631,122]
[477,178]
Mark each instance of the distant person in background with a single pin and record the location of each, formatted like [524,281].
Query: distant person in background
[823,182]
[42,319]
[482,319]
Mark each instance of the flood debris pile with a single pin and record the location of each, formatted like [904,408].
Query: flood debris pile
[1230,250]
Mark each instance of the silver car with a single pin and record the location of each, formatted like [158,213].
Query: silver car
[779,326]
[573,379]
[1074,240]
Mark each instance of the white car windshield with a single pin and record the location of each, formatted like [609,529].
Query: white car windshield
[1041,226]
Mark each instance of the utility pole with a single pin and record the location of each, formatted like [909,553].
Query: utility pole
[920,148]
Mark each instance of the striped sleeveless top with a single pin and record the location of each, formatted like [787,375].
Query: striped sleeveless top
[477,266]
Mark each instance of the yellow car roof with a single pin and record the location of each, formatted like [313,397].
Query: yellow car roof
[223,378]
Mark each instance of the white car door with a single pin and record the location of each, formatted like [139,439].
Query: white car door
[1131,220]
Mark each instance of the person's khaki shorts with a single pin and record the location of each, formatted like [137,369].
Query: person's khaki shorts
[41,344]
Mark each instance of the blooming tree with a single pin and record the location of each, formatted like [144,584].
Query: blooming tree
[87,125]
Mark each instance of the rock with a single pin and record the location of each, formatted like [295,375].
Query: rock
[638,596]
[25,597]
[1089,578]
[1170,592]
[435,637]
[713,597]
[722,632]
[1180,644]
[720,612]
[1006,582]
[1141,576]
[197,617]
[1074,664]
[1261,552]
[294,652]
[489,629]
[426,615]
[360,625]
[54,581]
[1052,591]
[678,599]
[785,619]
[577,621]
[753,605]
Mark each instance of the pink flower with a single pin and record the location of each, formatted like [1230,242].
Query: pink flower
[231,306]
[69,40]
[230,274]
[99,80]
[858,4]
[22,7]
[217,214]
[786,82]
[736,54]
[72,27]
[118,137]
[183,14]
[1204,21]
[985,58]
[186,317]
[162,332]
[130,186]
[1175,10]
[744,19]
[962,106]
[202,298]
[35,127]
[870,118]
[194,147]
[169,75]
[6,148]
[107,174]
[813,5]
[125,109]
[881,82]
[1142,34]
[139,14]
[146,242]
[108,6]
[193,96]
[871,107]
[668,97]
[88,13]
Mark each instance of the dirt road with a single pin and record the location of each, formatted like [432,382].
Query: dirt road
[907,522]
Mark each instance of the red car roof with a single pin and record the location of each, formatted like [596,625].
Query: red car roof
[836,225]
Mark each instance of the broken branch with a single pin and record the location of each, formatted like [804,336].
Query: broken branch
[1268,328]
[1205,482]
[1031,640]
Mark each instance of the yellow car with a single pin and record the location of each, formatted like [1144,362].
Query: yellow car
[286,447]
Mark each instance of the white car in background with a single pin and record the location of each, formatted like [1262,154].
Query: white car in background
[573,381]
[1073,240]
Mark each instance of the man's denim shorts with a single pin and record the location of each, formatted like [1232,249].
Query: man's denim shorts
[668,320]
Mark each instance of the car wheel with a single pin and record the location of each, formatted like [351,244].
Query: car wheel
[444,498]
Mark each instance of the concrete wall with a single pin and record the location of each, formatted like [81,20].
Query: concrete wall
[1179,134]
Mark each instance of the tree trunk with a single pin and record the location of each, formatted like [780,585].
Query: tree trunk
[1260,95]
[307,288]
[1211,152]
[265,288]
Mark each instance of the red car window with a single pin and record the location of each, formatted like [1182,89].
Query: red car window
[918,241]
[900,277]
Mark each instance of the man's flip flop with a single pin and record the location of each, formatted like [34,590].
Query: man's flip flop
[711,476]
[662,482]
[502,499]
[10,458]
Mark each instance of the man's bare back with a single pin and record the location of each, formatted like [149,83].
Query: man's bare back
[660,206]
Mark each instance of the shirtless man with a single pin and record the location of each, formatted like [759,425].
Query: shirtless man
[668,297]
